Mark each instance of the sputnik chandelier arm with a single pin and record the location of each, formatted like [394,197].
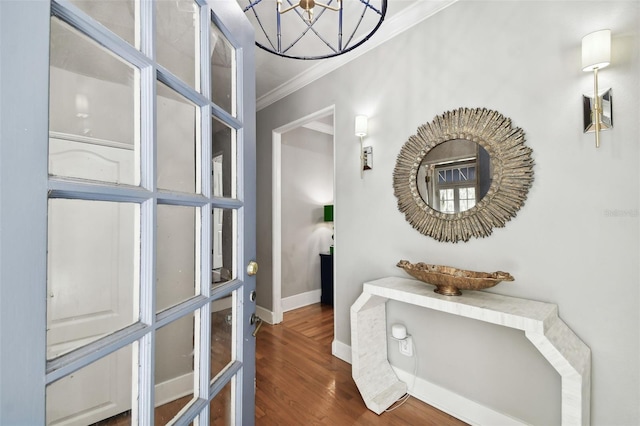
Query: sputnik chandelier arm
[309,35]
[309,27]
[307,6]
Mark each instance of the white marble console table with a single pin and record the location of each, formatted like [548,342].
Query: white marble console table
[378,383]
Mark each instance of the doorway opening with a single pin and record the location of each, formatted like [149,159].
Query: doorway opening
[320,121]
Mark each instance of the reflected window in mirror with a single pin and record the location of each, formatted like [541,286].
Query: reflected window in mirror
[454,175]
[455,186]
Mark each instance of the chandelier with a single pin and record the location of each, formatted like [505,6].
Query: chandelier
[309,29]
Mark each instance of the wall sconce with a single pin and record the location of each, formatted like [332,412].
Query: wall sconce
[366,153]
[597,109]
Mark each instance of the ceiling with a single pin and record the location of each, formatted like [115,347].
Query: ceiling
[277,76]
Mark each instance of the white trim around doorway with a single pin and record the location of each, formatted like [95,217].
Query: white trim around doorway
[277,203]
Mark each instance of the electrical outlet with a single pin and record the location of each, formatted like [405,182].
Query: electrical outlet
[406,346]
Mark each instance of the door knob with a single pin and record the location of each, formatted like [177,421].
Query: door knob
[252,268]
[257,321]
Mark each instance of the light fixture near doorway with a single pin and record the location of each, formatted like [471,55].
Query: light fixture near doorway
[366,153]
[310,29]
[597,107]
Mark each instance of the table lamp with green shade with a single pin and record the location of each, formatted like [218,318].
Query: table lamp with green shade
[328,217]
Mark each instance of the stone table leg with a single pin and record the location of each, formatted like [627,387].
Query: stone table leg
[374,377]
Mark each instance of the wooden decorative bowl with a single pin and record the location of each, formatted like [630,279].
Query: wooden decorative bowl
[449,281]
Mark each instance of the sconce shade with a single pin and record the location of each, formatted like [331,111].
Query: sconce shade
[328,213]
[361,125]
[596,50]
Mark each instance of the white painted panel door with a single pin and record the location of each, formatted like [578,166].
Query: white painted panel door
[97,298]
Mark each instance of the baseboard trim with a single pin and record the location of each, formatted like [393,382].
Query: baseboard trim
[342,351]
[265,315]
[451,403]
[173,389]
[301,300]
[458,406]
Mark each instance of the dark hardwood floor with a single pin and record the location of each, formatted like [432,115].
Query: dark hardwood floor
[299,382]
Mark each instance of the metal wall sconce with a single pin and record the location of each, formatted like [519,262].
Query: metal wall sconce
[597,107]
[366,153]
[367,158]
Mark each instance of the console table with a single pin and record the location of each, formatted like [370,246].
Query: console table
[378,383]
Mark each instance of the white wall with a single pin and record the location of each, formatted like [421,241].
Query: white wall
[576,240]
[307,185]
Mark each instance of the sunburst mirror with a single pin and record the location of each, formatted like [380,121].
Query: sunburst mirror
[463,174]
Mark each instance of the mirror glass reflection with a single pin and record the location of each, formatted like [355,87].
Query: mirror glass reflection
[454,176]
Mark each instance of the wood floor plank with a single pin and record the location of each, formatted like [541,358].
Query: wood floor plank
[299,382]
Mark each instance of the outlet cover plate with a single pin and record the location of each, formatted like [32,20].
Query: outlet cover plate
[406,346]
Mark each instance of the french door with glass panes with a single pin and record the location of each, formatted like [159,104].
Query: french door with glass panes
[151,215]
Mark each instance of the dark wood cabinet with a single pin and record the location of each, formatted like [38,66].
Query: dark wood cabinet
[326,277]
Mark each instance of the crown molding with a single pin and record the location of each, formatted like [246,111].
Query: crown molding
[402,21]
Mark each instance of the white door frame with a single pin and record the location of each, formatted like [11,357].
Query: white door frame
[276,182]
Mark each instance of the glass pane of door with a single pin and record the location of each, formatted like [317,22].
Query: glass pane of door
[224,151]
[93,110]
[223,245]
[118,16]
[177,136]
[223,71]
[222,336]
[178,39]
[71,402]
[93,274]
[220,412]
[176,266]
[174,370]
